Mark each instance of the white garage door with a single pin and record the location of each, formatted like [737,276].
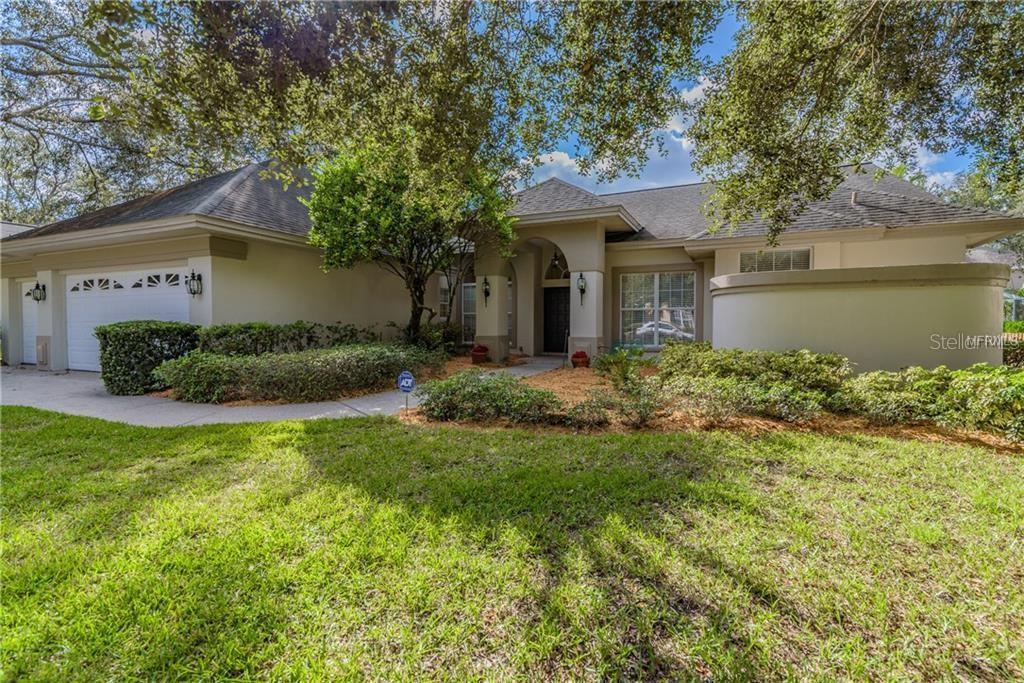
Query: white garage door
[103,298]
[29,318]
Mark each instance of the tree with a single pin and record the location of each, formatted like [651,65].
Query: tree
[813,85]
[378,202]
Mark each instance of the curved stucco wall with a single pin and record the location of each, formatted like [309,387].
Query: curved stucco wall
[881,318]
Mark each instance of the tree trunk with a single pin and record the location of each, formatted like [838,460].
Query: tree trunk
[412,330]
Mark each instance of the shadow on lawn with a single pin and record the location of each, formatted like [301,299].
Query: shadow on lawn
[569,494]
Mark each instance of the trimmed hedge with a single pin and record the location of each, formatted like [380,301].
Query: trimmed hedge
[719,398]
[475,395]
[1013,326]
[980,397]
[316,375]
[824,372]
[251,339]
[131,350]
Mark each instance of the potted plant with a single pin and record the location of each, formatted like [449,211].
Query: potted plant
[580,359]
[479,354]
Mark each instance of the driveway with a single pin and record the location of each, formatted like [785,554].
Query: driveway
[82,393]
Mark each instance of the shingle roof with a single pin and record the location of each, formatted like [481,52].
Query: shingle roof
[242,195]
[8,228]
[554,195]
[675,212]
[888,202]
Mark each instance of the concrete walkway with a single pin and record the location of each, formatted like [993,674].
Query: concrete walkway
[82,393]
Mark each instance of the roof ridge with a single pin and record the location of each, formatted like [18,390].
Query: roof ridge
[652,189]
[210,203]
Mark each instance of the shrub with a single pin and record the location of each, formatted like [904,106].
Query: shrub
[250,339]
[475,395]
[1013,354]
[316,375]
[719,398]
[617,366]
[1013,326]
[590,413]
[980,397]
[130,351]
[441,336]
[805,369]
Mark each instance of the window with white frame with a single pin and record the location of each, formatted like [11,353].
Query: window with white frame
[444,297]
[775,260]
[657,307]
[468,312]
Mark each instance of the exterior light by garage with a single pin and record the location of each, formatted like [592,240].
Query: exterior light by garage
[487,290]
[581,285]
[194,284]
[39,292]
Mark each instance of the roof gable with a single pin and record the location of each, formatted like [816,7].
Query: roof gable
[555,195]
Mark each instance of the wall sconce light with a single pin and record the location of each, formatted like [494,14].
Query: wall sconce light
[581,284]
[39,293]
[487,290]
[194,284]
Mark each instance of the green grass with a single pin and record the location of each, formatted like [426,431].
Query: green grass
[367,548]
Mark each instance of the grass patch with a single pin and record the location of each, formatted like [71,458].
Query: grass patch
[358,548]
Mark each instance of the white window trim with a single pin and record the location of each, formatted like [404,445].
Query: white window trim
[656,303]
[810,259]
[462,317]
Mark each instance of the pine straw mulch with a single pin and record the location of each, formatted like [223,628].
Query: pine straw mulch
[573,385]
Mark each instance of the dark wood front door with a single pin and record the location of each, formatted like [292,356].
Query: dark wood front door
[556,319]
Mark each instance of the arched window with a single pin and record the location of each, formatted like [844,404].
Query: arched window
[557,269]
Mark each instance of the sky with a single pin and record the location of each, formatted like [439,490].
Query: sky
[674,168]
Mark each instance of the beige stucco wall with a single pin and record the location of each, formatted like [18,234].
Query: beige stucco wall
[881,318]
[858,252]
[279,284]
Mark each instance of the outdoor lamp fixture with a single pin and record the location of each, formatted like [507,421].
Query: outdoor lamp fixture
[194,284]
[487,290]
[581,284]
[39,292]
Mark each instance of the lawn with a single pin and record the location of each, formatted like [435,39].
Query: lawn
[369,548]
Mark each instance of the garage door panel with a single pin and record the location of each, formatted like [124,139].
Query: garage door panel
[104,298]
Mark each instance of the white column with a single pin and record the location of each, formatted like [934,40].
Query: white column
[586,313]
[10,320]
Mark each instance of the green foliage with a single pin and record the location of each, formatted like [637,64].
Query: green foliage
[315,375]
[1013,354]
[250,339]
[809,371]
[480,396]
[379,202]
[980,397]
[855,81]
[1016,326]
[619,364]
[640,399]
[130,351]
[590,413]
[720,397]
[443,336]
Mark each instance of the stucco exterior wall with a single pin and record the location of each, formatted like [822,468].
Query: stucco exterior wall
[280,284]
[881,318]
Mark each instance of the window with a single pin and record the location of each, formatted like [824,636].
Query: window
[655,307]
[468,312]
[775,260]
[444,294]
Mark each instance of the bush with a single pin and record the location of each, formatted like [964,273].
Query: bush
[475,395]
[620,364]
[1013,354]
[316,375]
[980,397]
[1013,326]
[441,336]
[251,339]
[640,400]
[719,398]
[130,351]
[805,369]
[590,413]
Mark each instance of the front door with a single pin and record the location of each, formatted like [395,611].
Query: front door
[556,319]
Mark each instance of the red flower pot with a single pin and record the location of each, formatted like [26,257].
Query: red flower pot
[580,359]
[479,354]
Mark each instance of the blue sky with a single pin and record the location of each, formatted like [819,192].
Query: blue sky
[674,168]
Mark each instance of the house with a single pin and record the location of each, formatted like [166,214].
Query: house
[1013,297]
[876,272]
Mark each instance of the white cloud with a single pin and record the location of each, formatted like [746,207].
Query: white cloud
[941,178]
